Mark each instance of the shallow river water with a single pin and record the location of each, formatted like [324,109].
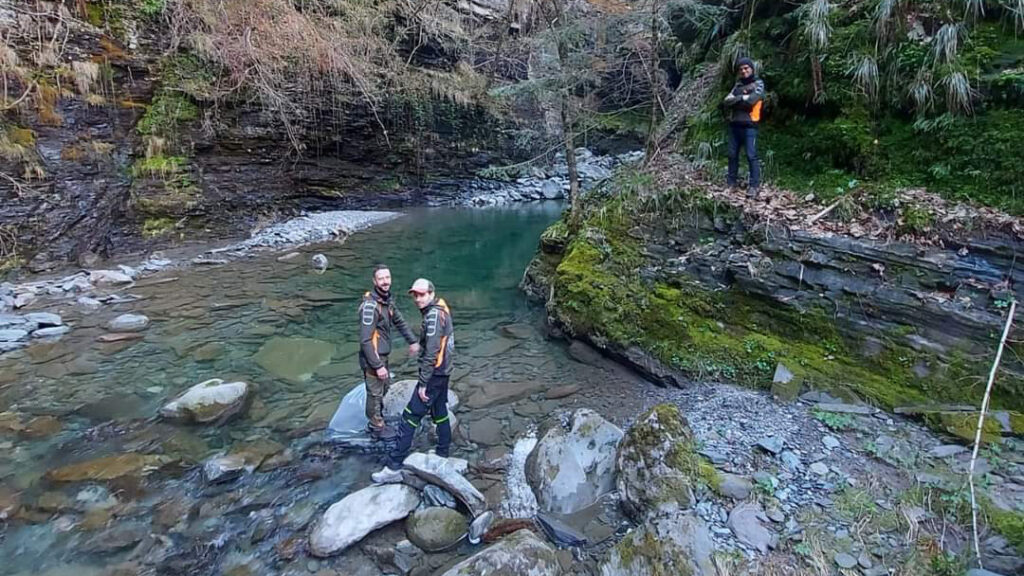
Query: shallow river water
[292,333]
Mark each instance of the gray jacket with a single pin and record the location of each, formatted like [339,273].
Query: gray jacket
[745,101]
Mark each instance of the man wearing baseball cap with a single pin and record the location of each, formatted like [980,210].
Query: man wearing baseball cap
[437,344]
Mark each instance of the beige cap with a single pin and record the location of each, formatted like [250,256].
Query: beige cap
[422,286]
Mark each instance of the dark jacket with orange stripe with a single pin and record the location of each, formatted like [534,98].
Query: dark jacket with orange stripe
[377,314]
[437,341]
[745,102]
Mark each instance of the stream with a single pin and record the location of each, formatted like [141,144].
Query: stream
[292,333]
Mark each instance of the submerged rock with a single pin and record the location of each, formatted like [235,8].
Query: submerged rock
[657,462]
[440,471]
[294,359]
[570,469]
[209,401]
[672,544]
[110,468]
[435,528]
[520,553]
[400,393]
[353,517]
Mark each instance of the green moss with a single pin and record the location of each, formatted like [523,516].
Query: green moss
[1008,523]
[153,227]
[166,114]
[158,166]
[964,425]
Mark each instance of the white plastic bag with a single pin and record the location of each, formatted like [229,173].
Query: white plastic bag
[350,417]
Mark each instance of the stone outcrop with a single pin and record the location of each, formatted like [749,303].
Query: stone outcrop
[211,401]
[673,544]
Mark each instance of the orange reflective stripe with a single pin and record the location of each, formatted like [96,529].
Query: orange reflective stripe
[374,339]
[440,355]
[755,112]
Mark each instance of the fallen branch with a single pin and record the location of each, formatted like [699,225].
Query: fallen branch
[981,423]
[823,213]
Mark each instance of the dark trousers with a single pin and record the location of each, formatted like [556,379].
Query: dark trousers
[437,406]
[745,136]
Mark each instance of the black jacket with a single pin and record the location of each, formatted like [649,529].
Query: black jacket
[745,101]
[377,314]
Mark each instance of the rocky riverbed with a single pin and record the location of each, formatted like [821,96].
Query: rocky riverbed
[197,445]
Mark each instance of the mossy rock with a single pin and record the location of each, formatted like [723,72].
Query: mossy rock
[674,545]
[658,464]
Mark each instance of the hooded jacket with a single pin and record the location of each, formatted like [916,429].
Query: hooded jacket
[437,342]
[377,315]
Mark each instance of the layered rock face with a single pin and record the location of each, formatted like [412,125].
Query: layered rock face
[126,138]
[704,288]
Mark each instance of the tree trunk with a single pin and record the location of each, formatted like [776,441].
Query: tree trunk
[568,118]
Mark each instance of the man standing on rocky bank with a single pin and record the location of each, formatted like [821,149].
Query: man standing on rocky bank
[377,314]
[437,344]
[744,103]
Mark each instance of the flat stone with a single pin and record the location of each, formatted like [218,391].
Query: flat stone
[119,337]
[561,391]
[520,553]
[745,523]
[497,393]
[44,319]
[790,460]
[733,486]
[293,359]
[518,331]
[353,517]
[208,352]
[947,450]
[864,560]
[99,277]
[128,323]
[88,304]
[13,335]
[486,431]
[771,444]
[845,561]
[41,426]
[491,348]
[830,442]
[437,470]
[52,332]
[437,496]
[819,468]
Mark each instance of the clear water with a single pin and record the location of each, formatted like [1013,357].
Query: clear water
[106,396]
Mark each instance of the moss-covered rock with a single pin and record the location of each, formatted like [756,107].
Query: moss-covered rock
[673,545]
[658,465]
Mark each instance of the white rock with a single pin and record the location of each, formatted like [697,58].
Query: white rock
[89,304]
[518,553]
[52,332]
[99,277]
[438,470]
[24,299]
[209,401]
[570,469]
[353,517]
[44,319]
[128,323]
[13,335]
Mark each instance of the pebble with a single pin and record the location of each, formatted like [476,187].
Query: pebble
[819,469]
[830,442]
[772,444]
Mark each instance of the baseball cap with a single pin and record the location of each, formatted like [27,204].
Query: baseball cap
[422,286]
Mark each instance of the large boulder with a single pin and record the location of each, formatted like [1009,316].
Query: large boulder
[353,517]
[657,463]
[209,401]
[444,473]
[570,469]
[400,393]
[110,468]
[670,544]
[436,528]
[520,553]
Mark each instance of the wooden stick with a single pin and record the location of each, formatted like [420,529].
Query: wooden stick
[981,423]
[823,213]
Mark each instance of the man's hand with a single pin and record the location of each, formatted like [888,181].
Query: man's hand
[382,373]
[414,349]
[422,391]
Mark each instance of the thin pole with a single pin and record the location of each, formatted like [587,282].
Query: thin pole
[981,423]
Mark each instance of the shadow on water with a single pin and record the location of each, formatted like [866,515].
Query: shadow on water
[278,325]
